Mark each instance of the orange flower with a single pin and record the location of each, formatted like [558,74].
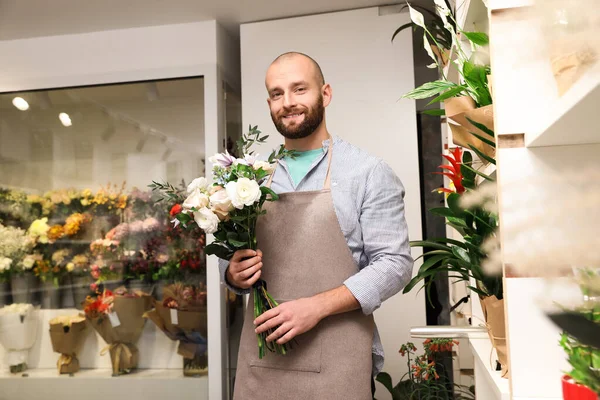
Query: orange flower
[55,232]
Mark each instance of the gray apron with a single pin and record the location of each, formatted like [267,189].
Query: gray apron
[305,253]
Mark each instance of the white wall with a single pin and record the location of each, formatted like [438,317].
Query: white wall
[368,75]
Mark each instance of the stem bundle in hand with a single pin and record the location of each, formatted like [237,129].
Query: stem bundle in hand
[229,209]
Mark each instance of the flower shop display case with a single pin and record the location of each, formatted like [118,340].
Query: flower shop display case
[83,156]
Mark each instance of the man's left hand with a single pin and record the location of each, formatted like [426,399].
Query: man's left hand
[293,318]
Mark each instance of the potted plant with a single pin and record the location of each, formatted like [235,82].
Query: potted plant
[425,379]
[470,99]
[463,260]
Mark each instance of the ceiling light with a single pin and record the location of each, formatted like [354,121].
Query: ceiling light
[20,103]
[65,119]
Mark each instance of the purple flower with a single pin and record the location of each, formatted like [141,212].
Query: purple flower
[151,224]
[222,159]
[136,226]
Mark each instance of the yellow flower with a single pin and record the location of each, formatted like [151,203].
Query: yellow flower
[70,267]
[39,229]
[122,202]
[84,202]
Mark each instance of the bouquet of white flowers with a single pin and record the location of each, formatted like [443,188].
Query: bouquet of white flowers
[229,209]
[18,330]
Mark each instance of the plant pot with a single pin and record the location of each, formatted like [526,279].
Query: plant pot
[493,311]
[50,296]
[5,297]
[575,391]
[24,288]
[81,289]
[458,109]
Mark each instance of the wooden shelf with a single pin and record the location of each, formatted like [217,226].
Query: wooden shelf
[569,120]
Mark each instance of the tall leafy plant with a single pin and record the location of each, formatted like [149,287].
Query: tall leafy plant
[473,73]
[462,260]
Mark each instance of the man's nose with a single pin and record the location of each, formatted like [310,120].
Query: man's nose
[289,100]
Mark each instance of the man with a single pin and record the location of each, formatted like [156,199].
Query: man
[334,247]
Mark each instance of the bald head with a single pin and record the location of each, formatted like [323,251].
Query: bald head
[292,56]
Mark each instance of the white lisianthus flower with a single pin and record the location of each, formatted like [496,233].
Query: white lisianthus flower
[16,308]
[198,183]
[243,192]
[5,263]
[267,167]
[28,261]
[196,199]
[206,220]
[220,204]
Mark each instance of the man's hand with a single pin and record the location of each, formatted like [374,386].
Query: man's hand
[244,268]
[293,318]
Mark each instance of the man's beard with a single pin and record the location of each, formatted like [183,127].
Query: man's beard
[312,119]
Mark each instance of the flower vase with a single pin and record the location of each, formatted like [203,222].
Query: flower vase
[4,294]
[24,288]
[81,289]
[50,296]
[574,391]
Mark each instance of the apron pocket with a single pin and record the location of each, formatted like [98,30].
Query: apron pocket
[305,355]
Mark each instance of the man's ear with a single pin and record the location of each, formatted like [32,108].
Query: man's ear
[269,101]
[327,93]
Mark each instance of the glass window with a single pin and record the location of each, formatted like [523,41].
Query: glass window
[95,279]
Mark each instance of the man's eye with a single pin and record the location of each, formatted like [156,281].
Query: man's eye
[275,95]
[300,89]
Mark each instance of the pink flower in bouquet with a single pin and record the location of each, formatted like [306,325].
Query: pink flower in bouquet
[151,225]
[111,234]
[95,267]
[93,287]
[136,227]
[162,258]
[187,294]
[222,159]
[121,231]
[95,274]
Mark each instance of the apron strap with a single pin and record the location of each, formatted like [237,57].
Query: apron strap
[327,184]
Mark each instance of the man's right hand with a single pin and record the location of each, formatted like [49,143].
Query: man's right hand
[244,268]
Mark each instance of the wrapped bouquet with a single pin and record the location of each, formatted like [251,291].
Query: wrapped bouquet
[118,318]
[229,209]
[18,329]
[67,334]
[181,315]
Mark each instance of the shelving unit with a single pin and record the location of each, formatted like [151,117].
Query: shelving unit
[560,137]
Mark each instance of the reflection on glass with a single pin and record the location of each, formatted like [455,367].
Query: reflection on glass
[87,252]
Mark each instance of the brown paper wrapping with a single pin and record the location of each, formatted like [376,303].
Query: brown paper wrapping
[68,340]
[570,59]
[493,311]
[121,339]
[188,322]
[458,109]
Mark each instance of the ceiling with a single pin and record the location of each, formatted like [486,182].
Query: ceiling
[31,18]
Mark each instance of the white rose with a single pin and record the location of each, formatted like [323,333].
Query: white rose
[28,262]
[243,192]
[196,199]
[267,167]
[220,203]
[206,220]
[198,183]
[5,263]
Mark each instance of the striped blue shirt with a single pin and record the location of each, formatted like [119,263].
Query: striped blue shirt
[368,199]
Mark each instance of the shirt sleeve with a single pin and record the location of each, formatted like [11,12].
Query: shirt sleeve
[223,265]
[385,241]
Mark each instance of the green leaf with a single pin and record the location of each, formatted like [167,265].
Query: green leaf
[461,254]
[484,140]
[442,211]
[433,245]
[429,89]
[482,155]
[432,261]
[403,27]
[448,94]
[237,243]
[478,291]
[453,201]
[478,38]
[484,176]
[468,174]
[219,250]
[268,191]
[436,112]
[457,221]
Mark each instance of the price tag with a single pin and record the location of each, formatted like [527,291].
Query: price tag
[174,319]
[114,319]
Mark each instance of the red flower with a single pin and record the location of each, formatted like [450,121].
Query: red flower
[454,173]
[176,209]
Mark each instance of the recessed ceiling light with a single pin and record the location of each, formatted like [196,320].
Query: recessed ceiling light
[20,103]
[65,119]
